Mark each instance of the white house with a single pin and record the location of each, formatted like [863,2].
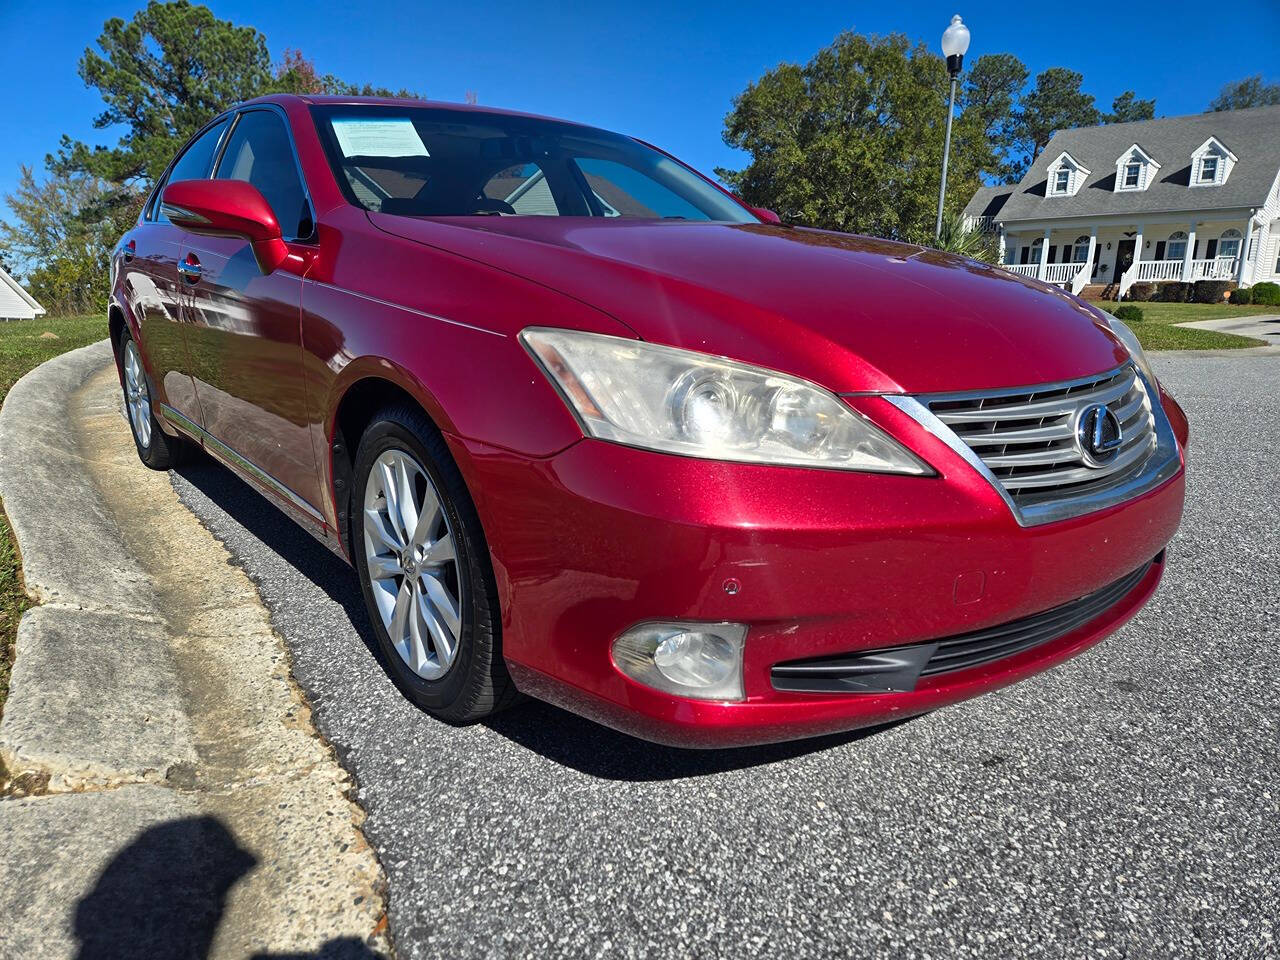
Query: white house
[1181,198]
[16,303]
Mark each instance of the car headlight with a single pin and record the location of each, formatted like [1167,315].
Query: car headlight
[680,401]
[1131,343]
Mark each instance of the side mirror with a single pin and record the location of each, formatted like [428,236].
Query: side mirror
[227,208]
[768,216]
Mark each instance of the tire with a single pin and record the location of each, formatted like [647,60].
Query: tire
[156,449]
[425,572]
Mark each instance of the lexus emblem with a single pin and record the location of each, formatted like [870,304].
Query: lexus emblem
[1098,435]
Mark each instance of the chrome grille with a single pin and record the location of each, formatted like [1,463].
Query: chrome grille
[1027,438]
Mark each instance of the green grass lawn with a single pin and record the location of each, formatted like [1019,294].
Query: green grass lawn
[25,344]
[1157,330]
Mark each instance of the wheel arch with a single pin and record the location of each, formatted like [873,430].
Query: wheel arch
[354,410]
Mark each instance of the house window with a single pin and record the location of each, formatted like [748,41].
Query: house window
[1208,169]
[1037,245]
[1176,248]
[1229,244]
[1132,173]
[1061,181]
[1080,251]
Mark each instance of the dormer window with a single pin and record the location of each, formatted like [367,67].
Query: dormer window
[1066,176]
[1211,164]
[1135,169]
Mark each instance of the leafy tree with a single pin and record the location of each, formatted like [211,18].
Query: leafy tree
[61,234]
[1056,102]
[297,74]
[990,92]
[1127,107]
[1249,92]
[852,140]
[162,75]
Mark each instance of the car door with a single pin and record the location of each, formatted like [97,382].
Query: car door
[149,261]
[243,329]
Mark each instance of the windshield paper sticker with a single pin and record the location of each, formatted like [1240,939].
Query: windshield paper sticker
[379,138]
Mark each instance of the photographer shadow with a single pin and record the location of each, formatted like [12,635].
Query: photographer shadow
[163,896]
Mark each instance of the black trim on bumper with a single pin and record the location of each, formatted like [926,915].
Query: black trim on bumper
[897,669]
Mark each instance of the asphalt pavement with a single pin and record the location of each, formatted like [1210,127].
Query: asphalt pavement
[1126,804]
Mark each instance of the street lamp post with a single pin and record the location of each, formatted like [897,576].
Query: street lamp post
[955,43]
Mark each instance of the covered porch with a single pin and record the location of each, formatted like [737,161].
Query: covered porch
[1118,255]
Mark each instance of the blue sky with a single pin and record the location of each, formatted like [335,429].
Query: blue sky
[663,71]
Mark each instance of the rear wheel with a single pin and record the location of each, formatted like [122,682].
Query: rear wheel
[155,448]
[424,570]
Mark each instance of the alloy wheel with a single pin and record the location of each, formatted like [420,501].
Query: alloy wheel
[137,396]
[411,559]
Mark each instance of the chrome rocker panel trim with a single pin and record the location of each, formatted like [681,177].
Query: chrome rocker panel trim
[188,426]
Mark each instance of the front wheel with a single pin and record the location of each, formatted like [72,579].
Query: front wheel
[424,570]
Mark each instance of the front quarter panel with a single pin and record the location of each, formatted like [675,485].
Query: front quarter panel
[440,327]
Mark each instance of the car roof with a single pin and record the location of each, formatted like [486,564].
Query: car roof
[331,100]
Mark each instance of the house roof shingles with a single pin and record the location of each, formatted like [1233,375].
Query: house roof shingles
[988,201]
[1252,135]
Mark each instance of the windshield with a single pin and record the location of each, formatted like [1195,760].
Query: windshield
[424,162]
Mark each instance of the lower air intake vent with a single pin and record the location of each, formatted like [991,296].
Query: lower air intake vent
[898,668]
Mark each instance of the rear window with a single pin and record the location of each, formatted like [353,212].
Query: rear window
[424,162]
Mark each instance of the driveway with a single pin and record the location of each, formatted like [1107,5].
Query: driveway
[1126,804]
[1264,328]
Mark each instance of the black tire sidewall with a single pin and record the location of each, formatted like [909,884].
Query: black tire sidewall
[390,432]
[156,454]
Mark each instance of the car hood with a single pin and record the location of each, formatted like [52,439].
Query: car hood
[853,313]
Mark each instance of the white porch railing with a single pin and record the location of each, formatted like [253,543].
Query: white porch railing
[1128,279]
[1155,270]
[1061,272]
[1073,276]
[1219,268]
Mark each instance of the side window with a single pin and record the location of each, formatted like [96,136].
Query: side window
[524,188]
[259,152]
[195,163]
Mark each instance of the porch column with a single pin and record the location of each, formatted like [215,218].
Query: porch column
[1093,249]
[1044,256]
[1189,253]
[1001,241]
[1244,250]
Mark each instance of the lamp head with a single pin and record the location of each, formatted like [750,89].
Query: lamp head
[955,44]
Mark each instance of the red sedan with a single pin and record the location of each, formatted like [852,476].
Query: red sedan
[591,429]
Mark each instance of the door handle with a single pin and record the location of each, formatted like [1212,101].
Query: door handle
[189,268]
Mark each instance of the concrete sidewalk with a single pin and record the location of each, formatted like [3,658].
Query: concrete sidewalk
[166,793]
[1264,328]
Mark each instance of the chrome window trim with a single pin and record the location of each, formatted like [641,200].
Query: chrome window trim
[189,426]
[1162,465]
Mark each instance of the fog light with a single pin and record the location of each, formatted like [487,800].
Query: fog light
[702,660]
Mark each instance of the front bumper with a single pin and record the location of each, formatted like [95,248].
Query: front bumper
[600,537]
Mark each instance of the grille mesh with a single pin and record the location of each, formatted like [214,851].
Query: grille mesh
[1028,439]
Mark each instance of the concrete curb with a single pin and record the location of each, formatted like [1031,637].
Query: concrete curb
[152,717]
